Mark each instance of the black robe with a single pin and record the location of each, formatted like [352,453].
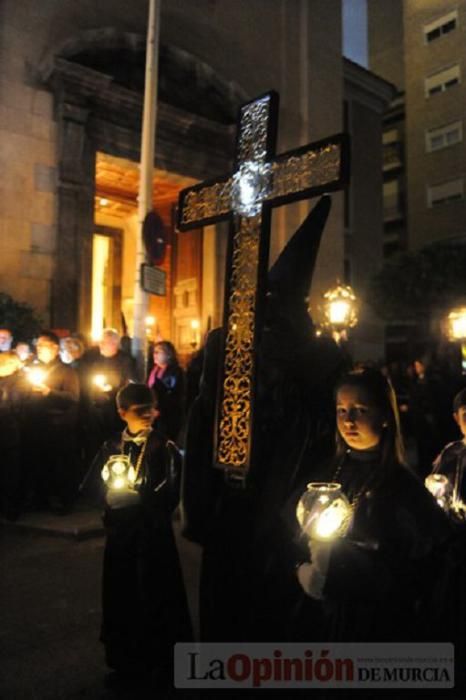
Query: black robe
[49,436]
[12,396]
[248,588]
[144,603]
[452,463]
[99,414]
[247,585]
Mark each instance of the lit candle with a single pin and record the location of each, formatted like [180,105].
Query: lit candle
[100,381]
[324,512]
[37,376]
[195,331]
[440,488]
[118,473]
[437,484]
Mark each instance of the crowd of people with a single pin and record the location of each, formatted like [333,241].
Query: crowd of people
[58,406]
[73,415]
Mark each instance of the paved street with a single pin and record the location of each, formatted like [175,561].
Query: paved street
[50,607]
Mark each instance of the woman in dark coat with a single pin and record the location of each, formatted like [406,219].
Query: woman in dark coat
[381,581]
[167,379]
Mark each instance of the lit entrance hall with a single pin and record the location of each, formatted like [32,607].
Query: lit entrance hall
[187,260]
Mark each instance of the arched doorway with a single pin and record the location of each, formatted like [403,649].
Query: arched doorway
[97,79]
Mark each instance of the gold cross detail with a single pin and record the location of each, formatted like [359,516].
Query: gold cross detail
[260,181]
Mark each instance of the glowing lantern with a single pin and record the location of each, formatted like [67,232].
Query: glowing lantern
[323,512]
[439,487]
[447,496]
[340,308]
[118,473]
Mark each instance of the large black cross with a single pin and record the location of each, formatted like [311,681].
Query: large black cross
[261,181]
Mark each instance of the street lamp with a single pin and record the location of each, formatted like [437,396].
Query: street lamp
[457,331]
[340,310]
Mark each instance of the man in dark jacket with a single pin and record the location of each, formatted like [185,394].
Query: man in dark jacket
[104,369]
[50,426]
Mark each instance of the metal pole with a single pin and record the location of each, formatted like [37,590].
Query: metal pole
[146,173]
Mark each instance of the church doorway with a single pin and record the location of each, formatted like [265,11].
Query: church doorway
[179,315]
[106,279]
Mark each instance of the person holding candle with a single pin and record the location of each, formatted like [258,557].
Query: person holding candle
[6,339]
[104,370]
[50,449]
[11,412]
[451,462]
[448,476]
[144,602]
[379,581]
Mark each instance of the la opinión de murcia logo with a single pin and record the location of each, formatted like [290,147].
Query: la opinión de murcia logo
[314,665]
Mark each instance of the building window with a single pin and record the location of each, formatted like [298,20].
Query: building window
[443,25]
[392,149]
[391,200]
[450,191]
[390,136]
[444,136]
[441,81]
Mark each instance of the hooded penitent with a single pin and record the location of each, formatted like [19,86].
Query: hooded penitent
[246,581]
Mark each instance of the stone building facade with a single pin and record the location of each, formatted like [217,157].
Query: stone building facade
[423,54]
[419,46]
[70,116]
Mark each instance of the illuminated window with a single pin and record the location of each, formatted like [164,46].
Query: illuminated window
[444,136]
[390,136]
[100,265]
[441,81]
[441,26]
[445,192]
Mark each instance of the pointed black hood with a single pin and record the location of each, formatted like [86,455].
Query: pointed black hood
[291,275]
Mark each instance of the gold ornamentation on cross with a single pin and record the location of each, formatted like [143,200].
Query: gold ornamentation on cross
[261,181]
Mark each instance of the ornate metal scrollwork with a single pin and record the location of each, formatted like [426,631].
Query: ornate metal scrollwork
[235,409]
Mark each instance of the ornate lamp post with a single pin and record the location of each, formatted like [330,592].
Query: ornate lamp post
[340,311]
[457,331]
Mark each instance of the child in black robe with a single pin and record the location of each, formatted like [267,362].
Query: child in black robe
[144,603]
[384,581]
[451,462]
[452,459]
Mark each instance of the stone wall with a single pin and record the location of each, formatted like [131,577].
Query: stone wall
[290,45]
